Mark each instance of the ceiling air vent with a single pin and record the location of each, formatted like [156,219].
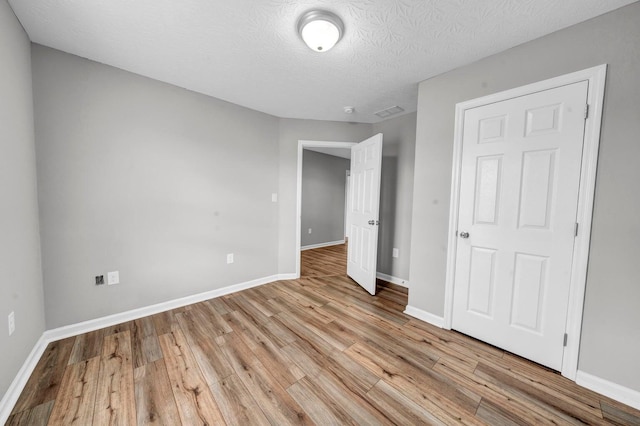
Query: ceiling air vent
[389,111]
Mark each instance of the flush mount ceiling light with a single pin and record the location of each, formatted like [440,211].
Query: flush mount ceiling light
[320,29]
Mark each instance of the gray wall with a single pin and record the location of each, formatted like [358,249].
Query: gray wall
[396,193]
[149,179]
[160,183]
[323,197]
[292,130]
[21,287]
[610,345]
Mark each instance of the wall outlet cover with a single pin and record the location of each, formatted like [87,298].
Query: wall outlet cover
[309,230]
[230,258]
[395,252]
[113,278]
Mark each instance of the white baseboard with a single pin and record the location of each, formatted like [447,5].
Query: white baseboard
[315,246]
[615,391]
[393,280]
[612,390]
[13,393]
[291,276]
[98,323]
[424,316]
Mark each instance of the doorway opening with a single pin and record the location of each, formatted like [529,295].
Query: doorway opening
[364,207]
[331,148]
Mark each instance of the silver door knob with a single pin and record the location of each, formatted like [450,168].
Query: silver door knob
[464,235]
[373,222]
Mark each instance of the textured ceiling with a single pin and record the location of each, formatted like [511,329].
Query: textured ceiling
[248,52]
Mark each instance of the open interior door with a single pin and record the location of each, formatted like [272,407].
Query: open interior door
[366,165]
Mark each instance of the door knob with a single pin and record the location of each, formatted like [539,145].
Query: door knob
[373,222]
[464,235]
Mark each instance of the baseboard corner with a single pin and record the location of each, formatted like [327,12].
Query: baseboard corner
[286,277]
[424,316]
[610,389]
[15,388]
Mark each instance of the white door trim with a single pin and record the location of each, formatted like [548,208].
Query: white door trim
[347,180]
[595,97]
[302,144]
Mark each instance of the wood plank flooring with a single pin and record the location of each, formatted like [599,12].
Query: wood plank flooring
[318,350]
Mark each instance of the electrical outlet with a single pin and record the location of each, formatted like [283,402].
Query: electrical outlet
[230,258]
[99,279]
[395,252]
[113,277]
[12,323]
[309,230]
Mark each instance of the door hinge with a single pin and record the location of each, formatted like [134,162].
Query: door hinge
[586,111]
[576,230]
[564,343]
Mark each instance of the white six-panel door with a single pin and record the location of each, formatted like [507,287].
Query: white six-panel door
[364,205]
[519,191]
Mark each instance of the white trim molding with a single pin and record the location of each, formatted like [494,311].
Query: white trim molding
[595,96]
[424,316]
[98,323]
[286,277]
[320,245]
[393,280]
[615,391]
[15,388]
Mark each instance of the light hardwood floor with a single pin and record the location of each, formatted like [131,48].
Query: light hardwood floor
[314,350]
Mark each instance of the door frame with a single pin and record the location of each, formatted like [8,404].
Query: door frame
[347,190]
[302,144]
[595,96]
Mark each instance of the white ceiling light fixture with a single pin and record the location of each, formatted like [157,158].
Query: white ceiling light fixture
[320,29]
